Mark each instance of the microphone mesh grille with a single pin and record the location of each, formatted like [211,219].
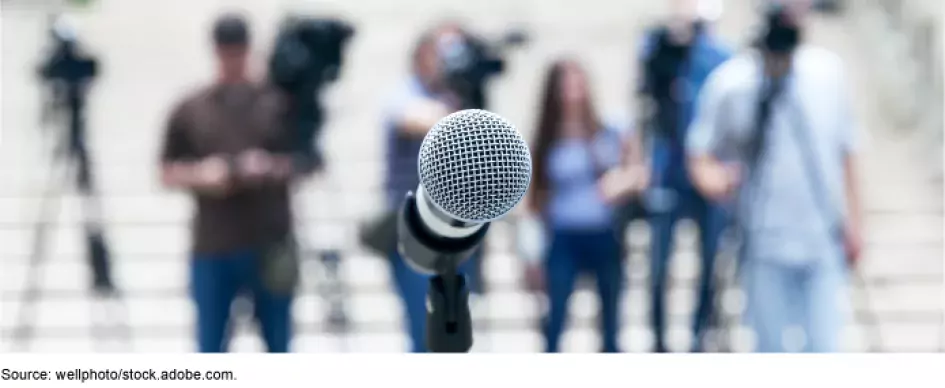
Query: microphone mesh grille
[475,165]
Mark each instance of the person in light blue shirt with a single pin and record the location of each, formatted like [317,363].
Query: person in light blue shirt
[677,58]
[774,133]
[574,155]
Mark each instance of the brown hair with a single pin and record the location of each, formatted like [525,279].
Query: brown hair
[549,123]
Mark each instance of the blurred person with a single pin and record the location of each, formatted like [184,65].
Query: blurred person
[228,144]
[677,58]
[416,107]
[576,177]
[775,127]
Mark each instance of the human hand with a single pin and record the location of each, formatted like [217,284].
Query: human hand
[212,175]
[254,165]
[618,183]
[852,243]
[724,182]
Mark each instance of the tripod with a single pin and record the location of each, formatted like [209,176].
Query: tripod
[109,303]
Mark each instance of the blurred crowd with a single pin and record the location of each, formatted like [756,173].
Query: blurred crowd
[756,141]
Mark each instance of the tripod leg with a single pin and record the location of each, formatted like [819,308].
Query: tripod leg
[99,254]
[110,330]
[84,168]
[24,326]
[78,148]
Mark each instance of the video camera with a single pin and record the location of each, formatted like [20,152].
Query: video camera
[66,72]
[468,61]
[68,69]
[662,68]
[308,54]
[69,65]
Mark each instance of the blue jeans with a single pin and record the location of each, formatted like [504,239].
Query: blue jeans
[711,221]
[412,289]
[574,252]
[808,298]
[216,280]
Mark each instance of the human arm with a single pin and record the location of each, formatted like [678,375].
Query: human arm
[530,237]
[418,115]
[851,147]
[412,112]
[712,177]
[182,168]
[287,155]
[531,243]
[631,176]
[853,225]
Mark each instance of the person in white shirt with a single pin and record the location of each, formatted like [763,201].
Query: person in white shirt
[774,135]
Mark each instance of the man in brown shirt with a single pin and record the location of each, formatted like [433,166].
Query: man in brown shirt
[227,145]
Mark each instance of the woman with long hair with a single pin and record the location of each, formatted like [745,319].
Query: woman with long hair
[581,168]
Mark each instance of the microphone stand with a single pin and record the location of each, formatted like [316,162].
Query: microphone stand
[449,322]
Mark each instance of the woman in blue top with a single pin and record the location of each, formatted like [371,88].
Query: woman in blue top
[576,160]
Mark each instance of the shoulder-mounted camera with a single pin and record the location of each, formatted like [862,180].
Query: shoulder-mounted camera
[308,52]
[468,61]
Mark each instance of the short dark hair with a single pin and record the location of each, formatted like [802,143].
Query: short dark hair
[231,29]
[782,33]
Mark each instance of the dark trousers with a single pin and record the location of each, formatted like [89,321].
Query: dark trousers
[572,253]
[216,280]
[711,221]
[412,289]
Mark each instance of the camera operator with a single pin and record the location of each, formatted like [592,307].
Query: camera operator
[677,58]
[228,144]
[417,105]
[775,126]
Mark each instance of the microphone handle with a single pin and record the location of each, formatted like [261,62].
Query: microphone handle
[425,251]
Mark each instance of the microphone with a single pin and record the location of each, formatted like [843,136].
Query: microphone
[474,168]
